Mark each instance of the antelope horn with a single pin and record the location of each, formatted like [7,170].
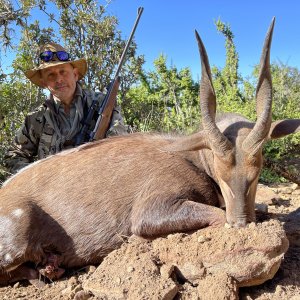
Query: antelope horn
[259,133]
[217,140]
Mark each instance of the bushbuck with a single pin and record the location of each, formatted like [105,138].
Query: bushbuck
[73,208]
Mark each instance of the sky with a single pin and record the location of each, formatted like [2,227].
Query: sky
[167,27]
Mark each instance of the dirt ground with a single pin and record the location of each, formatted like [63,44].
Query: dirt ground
[208,264]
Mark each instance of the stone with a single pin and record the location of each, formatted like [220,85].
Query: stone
[229,258]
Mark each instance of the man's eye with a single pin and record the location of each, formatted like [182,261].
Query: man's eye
[51,76]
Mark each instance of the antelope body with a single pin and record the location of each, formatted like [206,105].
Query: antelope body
[72,209]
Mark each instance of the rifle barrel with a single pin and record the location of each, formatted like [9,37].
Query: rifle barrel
[140,11]
[112,90]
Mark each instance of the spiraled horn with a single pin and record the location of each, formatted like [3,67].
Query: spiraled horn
[217,140]
[259,133]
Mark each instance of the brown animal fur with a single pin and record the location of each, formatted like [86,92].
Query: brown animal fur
[80,203]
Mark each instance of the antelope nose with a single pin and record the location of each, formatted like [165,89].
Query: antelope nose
[240,223]
[237,224]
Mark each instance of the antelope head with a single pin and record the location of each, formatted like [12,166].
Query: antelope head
[233,146]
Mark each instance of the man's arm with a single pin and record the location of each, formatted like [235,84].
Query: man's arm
[24,149]
[117,126]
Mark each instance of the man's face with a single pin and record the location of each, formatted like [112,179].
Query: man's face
[61,81]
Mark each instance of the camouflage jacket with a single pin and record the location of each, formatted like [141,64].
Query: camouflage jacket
[46,130]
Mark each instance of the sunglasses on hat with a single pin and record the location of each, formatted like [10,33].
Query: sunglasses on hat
[49,55]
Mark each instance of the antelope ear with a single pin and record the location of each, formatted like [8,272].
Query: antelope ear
[193,142]
[282,128]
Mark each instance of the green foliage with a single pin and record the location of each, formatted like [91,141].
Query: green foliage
[286,104]
[89,32]
[166,100]
[267,176]
[226,81]
[9,16]
[17,99]
[238,95]
[18,96]
[85,30]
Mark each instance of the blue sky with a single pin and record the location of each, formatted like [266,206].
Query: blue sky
[167,27]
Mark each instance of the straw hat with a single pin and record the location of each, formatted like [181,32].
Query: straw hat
[34,75]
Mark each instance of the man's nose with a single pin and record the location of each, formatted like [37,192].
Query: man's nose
[58,78]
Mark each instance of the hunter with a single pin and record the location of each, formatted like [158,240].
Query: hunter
[54,125]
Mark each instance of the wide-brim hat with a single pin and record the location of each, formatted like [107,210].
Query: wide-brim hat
[34,75]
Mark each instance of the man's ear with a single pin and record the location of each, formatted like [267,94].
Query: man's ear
[76,73]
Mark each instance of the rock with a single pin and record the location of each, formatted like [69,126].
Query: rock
[72,282]
[261,207]
[296,192]
[183,264]
[82,295]
[265,195]
[77,288]
[111,280]
[16,285]
[287,190]
[67,290]
[90,269]
[213,286]
[202,239]
[293,228]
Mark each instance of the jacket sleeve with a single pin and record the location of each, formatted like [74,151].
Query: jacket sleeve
[24,149]
[117,126]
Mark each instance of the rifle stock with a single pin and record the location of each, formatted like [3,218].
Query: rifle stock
[105,112]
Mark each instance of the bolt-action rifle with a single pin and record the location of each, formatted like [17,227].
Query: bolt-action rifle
[105,110]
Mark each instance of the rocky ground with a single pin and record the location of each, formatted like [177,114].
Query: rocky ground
[211,263]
